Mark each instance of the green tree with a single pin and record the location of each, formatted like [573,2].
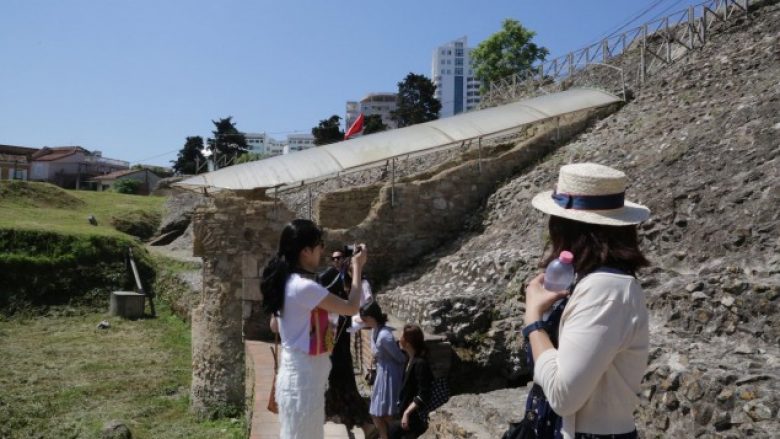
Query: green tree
[507,52]
[415,103]
[328,131]
[251,157]
[190,156]
[373,124]
[227,141]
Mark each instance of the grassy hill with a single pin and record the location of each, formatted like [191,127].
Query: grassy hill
[50,254]
[42,206]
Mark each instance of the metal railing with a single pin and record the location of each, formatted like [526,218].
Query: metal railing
[633,55]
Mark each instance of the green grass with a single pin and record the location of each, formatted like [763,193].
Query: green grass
[41,206]
[60,377]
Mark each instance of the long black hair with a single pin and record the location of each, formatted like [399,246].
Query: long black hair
[296,236]
[595,246]
[373,310]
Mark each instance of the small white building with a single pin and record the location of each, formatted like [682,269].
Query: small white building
[147,180]
[456,87]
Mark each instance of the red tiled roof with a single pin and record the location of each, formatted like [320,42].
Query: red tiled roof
[17,150]
[48,154]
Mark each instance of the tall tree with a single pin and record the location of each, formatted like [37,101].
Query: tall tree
[227,141]
[189,156]
[415,102]
[507,52]
[373,124]
[328,131]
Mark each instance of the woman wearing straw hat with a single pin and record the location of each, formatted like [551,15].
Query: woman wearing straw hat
[591,377]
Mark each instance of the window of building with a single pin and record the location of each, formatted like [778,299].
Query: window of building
[458,61]
[459,52]
[458,70]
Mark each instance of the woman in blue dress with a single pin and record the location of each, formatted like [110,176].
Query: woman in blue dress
[390,362]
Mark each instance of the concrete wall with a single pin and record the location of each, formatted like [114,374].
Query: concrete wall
[426,213]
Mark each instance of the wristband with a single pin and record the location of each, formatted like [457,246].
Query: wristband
[535,326]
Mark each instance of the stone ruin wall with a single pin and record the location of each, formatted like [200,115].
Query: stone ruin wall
[418,215]
[234,236]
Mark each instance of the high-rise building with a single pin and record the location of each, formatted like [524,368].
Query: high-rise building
[373,103]
[456,87]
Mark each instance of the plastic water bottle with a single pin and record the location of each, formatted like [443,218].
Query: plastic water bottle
[559,276]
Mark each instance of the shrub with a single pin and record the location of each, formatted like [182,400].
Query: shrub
[139,223]
[127,186]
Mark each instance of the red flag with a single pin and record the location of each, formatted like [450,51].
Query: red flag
[357,126]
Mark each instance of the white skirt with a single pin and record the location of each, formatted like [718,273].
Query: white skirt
[300,393]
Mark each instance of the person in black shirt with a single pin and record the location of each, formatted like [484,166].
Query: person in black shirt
[416,388]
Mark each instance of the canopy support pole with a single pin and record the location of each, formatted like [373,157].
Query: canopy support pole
[392,185]
[310,207]
[479,155]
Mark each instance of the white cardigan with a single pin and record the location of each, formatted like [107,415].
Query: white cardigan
[593,379]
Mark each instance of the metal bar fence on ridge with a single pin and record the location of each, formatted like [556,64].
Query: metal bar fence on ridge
[697,16]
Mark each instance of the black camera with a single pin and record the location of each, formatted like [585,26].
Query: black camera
[349,250]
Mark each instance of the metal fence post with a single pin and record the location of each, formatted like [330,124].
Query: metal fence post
[668,42]
[311,214]
[691,26]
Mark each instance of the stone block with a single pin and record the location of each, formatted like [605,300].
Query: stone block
[249,266]
[251,289]
[127,304]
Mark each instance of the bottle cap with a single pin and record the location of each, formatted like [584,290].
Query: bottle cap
[566,257]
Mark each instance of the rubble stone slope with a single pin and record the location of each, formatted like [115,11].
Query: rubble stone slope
[700,144]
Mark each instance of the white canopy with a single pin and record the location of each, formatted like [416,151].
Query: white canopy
[328,161]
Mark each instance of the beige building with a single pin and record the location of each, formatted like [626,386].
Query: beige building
[373,103]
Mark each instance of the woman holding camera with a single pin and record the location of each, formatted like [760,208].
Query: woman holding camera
[301,308]
[389,367]
[591,379]
[343,402]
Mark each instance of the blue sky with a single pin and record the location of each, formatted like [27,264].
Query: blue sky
[134,78]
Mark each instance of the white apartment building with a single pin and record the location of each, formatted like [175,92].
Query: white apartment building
[258,142]
[262,143]
[299,142]
[373,103]
[456,87]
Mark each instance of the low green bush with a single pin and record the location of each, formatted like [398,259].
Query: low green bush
[126,186]
[39,269]
[139,223]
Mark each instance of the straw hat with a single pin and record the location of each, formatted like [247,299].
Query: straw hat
[591,193]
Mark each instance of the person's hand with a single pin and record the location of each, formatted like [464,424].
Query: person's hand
[405,421]
[538,300]
[359,258]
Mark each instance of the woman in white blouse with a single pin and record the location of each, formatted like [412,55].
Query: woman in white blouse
[592,378]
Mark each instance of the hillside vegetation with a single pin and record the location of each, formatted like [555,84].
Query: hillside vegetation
[50,254]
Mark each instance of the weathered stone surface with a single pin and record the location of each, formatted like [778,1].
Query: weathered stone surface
[482,416]
[116,430]
[700,145]
[234,236]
